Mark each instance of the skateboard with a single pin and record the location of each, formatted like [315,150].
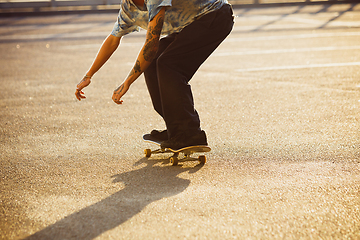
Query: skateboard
[174,159]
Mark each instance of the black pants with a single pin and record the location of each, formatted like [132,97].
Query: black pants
[178,58]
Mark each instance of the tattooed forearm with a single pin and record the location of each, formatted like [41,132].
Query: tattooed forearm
[136,69]
[152,40]
[119,89]
[150,50]
[158,27]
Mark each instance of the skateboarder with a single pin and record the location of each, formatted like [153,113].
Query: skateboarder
[192,30]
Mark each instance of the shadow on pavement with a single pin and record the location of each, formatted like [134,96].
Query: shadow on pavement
[142,187]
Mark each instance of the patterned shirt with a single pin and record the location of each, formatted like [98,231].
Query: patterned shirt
[178,14]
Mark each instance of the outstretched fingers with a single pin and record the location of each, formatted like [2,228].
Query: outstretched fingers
[83,83]
[119,92]
[79,94]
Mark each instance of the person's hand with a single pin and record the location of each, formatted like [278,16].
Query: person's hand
[83,83]
[119,92]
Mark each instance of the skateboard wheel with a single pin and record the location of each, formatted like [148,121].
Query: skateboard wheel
[202,159]
[147,153]
[174,161]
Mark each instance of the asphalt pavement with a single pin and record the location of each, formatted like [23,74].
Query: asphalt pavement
[279,100]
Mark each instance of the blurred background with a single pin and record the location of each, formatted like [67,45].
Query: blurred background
[35,7]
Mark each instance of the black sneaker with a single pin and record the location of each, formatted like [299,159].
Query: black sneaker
[181,141]
[159,136]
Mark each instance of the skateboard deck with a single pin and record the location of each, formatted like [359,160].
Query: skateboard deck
[174,160]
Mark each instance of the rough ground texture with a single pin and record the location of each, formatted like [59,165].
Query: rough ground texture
[279,101]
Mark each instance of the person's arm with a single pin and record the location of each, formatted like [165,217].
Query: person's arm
[108,47]
[145,56]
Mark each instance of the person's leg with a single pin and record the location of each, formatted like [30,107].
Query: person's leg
[151,77]
[178,63]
